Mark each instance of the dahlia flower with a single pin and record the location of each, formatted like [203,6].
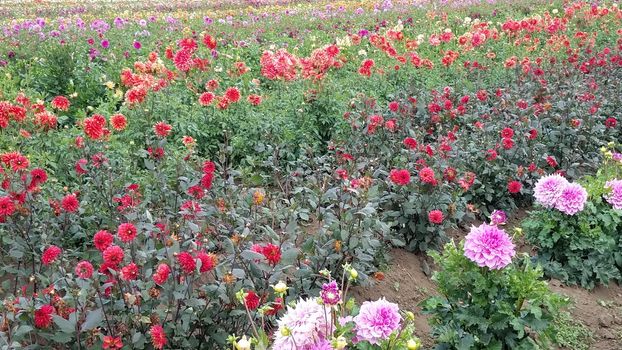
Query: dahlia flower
[84,269]
[572,199]
[498,217]
[330,293]
[377,320]
[303,326]
[548,189]
[488,245]
[615,196]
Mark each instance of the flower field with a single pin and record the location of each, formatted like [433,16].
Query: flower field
[306,175]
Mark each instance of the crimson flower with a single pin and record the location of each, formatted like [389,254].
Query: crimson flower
[43,316]
[436,217]
[50,255]
[514,186]
[162,129]
[251,300]
[400,177]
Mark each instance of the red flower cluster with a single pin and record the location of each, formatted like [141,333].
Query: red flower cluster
[129,272]
[118,122]
[514,186]
[113,256]
[208,174]
[279,65]
[366,66]
[208,261]
[427,175]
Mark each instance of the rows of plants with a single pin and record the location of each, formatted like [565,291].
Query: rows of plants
[202,192]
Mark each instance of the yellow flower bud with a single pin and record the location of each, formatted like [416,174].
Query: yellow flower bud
[340,343]
[243,344]
[353,274]
[280,287]
[414,344]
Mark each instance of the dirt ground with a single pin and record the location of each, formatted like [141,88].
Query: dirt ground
[406,283]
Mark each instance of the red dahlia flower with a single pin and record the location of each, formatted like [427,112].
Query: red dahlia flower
[435,217]
[102,240]
[127,232]
[162,129]
[113,255]
[50,255]
[400,177]
[158,336]
[70,203]
[43,316]
[272,253]
[186,262]
[61,103]
[251,300]
[514,186]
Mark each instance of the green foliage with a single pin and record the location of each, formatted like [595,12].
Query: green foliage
[570,333]
[489,309]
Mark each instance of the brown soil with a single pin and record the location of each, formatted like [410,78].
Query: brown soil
[406,283]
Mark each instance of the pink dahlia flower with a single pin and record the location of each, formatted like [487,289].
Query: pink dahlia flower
[488,245]
[330,293]
[572,199]
[498,217]
[377,320]
[548,189]
[303,326]
[615,196]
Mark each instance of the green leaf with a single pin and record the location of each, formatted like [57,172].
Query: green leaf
[93,319]
[64,325]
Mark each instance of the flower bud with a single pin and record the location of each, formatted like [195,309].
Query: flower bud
[243,344]
[280,288]
[410,316]
[340,343]
[353,274]
[414,344]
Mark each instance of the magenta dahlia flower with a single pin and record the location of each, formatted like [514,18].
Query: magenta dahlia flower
[303,326]
[377,320]
[572,199]
[488,245]
[498,217]
[548,189]
[330,293]
[615,196]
